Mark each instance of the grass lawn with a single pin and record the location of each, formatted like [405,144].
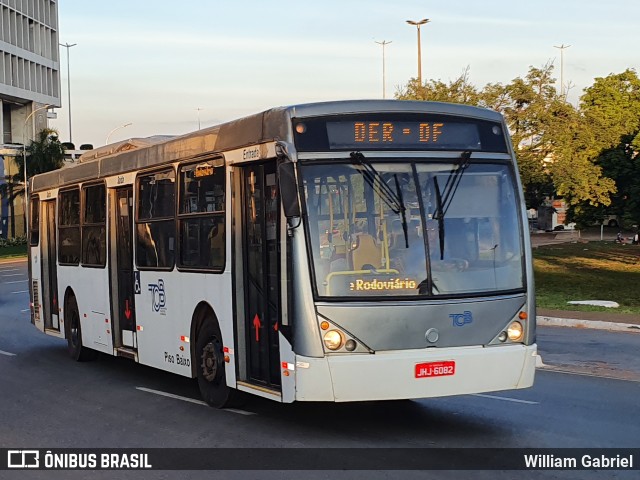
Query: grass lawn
[588,271]
[13,251]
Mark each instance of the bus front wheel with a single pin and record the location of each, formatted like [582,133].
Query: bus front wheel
[210,372]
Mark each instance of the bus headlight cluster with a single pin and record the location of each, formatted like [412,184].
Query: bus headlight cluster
[515,331]
[333,340]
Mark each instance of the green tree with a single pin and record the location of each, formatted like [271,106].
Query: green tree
[611,108]
[459,90]
[44,153]
[553,146]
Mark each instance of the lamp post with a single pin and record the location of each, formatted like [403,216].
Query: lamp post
[106,142]
[24,160]
[562,47]
[384,81]
[199,110]
[418,24]
[68,46]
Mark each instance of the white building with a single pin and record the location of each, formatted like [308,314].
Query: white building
[29,81]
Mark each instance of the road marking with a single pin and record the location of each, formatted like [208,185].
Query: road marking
[16,281]
[191,400]
[21,291]
[9,269]
[25,310]
[14,275]
[8,354]
[236,410]
[506,399]
[585,374]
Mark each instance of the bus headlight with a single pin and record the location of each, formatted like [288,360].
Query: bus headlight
[515,331]
[333,340]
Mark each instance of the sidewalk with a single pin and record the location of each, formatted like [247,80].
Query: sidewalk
[620,322]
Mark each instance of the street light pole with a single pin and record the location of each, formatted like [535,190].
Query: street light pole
[384,43]
[199,110]
[562,47]
[24,166]
[418,24]
[106,142]
[68,46]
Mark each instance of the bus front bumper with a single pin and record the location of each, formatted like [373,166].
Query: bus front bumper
[392,375]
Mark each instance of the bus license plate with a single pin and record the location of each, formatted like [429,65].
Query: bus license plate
[435,369]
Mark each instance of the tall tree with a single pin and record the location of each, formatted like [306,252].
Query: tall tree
[459,90]
[44,153]
[549,135]
[611,108]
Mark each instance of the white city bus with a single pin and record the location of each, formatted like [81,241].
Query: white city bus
[341,251]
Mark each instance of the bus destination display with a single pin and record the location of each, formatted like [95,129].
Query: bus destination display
[402,134]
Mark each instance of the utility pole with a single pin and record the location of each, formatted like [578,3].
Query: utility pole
[384,43]
[561,48]
[199,110]
[67,46]
[418,24]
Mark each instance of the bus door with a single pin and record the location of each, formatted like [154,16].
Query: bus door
[123,280]
[261,273]
[49,263]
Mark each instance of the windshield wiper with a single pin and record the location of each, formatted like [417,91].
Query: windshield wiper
[392,199]
[444,198]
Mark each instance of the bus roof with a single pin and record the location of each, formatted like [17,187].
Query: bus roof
[273,124]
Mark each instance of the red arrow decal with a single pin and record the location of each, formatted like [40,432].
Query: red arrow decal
[257,324]
[127,310]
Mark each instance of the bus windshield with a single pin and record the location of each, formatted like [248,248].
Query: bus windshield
[412,228]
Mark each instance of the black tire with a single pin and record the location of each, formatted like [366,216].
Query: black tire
[73,333]
[210,364]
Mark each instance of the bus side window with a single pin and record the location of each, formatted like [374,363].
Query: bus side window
[201,215]
[69,227]
[34,221]
[94,239]
[155,222]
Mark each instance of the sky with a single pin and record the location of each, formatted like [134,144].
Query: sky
[167,67]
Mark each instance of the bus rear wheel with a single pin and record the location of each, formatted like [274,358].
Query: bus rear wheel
[73,333]
[210,367]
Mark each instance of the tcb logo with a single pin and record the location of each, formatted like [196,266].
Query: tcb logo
[461,319]
[158,297]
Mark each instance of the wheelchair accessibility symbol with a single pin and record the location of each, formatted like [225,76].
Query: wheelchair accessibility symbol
[136,283]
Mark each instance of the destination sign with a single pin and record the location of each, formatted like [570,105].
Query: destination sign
[381,134]
[399,132]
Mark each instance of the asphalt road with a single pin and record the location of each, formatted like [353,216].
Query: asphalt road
[49,401]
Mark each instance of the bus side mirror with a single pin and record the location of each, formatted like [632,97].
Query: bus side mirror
[288,189]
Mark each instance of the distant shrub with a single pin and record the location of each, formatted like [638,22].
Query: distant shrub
[13,242]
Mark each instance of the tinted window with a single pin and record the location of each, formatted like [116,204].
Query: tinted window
[94,239]
[155,228]
[34,220]
[201,216]
[69,227]
[157,195]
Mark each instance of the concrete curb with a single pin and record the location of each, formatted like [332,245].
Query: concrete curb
[594,324]
[13,260]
